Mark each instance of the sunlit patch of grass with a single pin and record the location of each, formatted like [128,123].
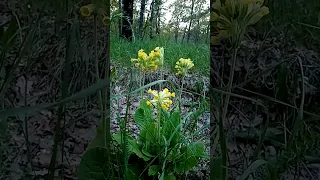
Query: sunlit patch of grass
[121,52]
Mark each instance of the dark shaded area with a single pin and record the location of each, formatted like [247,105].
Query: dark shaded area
[127,20]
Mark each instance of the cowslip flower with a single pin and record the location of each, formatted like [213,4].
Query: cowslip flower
[142,55]
[183,65]
[149,62]
[106,20]
[161,98]
[223,34]
[214,40]
[87,10]
[214,16]
[264,10]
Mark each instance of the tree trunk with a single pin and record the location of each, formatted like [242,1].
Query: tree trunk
[190,23]
[151,19]
[146,25]
[208,34]
[141,20]
[198,35]
[158,17]
[184,34]
[176,35]
[127,10]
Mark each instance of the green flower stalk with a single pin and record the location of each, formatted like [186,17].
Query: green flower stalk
[233,19]
[183,66]
[161,63]
[161,100]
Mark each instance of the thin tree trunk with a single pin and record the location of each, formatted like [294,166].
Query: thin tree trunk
[145,26]
[151,19]
[176,35]
[198,35]
[190,23]
[208,34]
[126,23]
[184,34]
[158,17]
[141,20]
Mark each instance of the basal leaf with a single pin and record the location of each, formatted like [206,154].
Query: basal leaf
[153,170]
[170,128]
[134,147]
[145,151]
[139,116]
[169,176]
[189,158]
[252,168]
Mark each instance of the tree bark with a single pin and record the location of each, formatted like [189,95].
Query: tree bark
[184,34]
[190,23]
[158,4]
[151,19]
[127,10]
[141,20]
[176,35]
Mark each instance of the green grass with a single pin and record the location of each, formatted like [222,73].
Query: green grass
[122,51]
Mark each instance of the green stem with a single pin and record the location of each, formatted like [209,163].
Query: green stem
[180,96]
[124,132]
[161,76]
[142,84]
[96,57]
[299,119]
[159,120]
[223,143]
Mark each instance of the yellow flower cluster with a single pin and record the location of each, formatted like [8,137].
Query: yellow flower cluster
[151,62]
[245,12]
[89,9]
[183,65]
[161,98]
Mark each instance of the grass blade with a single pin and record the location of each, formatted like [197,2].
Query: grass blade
[252,168]
[32,109]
